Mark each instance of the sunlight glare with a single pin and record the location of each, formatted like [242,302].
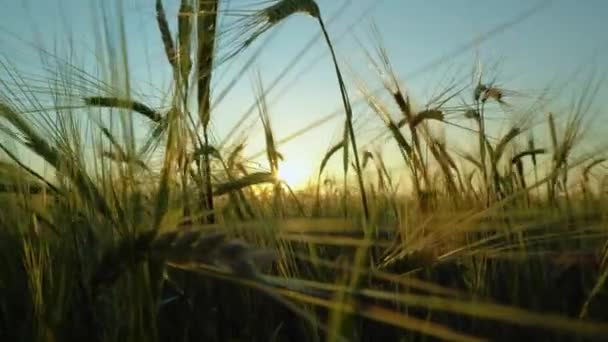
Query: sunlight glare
[293,174]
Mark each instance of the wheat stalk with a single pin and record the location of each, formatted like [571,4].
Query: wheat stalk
[56,158]
[206,29]
[391,84]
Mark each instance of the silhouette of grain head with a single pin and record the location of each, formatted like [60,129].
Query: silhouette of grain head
[478,92]
[179,248]
[285,8]
[244,31]
[471,114]
[493,93]
[429,114]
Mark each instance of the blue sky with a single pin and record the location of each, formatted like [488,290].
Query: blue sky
[537,52]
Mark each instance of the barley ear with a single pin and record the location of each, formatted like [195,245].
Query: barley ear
[165,33]
[429,114]
[184,29]
[113,102]
[243,182]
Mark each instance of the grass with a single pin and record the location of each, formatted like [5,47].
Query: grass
[169,236]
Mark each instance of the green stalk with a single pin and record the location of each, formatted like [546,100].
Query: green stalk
[206,28]
[349,121]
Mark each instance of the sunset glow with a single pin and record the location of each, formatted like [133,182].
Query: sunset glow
[294,174]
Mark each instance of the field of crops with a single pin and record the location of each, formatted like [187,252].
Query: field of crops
[136,222]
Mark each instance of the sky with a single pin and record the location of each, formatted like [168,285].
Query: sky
[429,43]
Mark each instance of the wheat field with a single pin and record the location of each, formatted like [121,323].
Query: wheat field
[126,218]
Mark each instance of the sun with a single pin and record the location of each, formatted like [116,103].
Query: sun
[293,174]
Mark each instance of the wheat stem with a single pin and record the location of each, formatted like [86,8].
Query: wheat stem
[349,116]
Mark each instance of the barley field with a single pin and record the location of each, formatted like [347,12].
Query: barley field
[125,216]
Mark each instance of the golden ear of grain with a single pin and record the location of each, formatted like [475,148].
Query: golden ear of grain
[56,158]
[403,104]
[385,70]
[285,8]
[184,29]
[165,33]
[388,121]
[310,7]
[114,102]
[33,140]
[243,182]
[271,151]
[493,93]
[29,170]
[429,114]
[206,31]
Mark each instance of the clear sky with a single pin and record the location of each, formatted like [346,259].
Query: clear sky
[538,51]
